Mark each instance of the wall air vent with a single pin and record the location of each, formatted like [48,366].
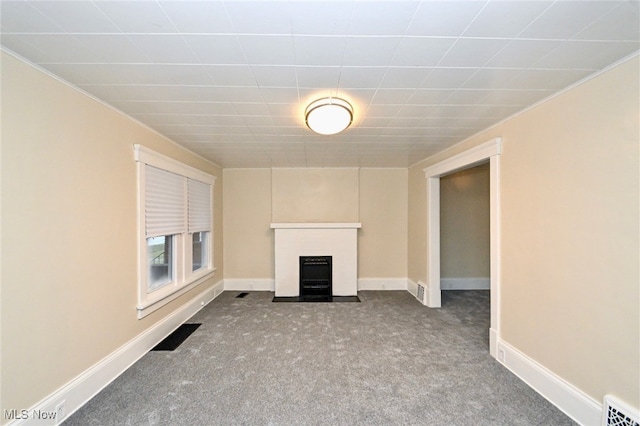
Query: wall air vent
[616,413]
[420,293]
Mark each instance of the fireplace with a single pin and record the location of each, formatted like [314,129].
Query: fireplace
[317,240]
[315,276]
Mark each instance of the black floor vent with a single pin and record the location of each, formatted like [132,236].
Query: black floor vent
[175,339]
[242,295]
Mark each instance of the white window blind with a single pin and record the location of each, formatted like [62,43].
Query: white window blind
[164,202]
[199,215]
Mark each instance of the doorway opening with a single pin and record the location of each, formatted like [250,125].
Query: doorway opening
[465,246]
[464,229]
[487,151]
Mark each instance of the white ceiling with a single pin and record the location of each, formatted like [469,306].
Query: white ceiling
[230,80]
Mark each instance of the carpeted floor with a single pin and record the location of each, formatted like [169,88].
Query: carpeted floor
[385,361]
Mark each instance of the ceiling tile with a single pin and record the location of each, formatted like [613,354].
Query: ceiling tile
[361,77]
[109,48]
[472,52]
[318,77]
[282,110]
[392,96]
[467,97]
[137,16]
[232,75]
[447,78]
[77,17]
[206,17]
[621,23]
[421,51]
[164,48]
[275,76]
[428,97]
[240,94]
[357,97]
[381,18]
[363,51]
[216,49]
[189,74]
[313,50]
[418,111]
[267,50]
[222,119]
[546,79]
[25,19]
[443,18]
[586,54]
[130,73]
[251,108]
[566,18]
[492,78]
[505,18]
[279,95]
[260,17]
[190,93]
[404,122]
[404,77]
[522,53]
[47,48]
[515,97]
[321,17]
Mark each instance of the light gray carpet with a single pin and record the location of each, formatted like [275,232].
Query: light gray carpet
[385,361]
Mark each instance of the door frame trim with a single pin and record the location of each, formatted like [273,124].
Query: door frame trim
[490,150]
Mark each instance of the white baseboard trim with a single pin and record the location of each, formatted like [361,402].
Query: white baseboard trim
[412,287]
[250,284]
[382,283]
[479,283]
[493,343]
[80,390]
[573,402]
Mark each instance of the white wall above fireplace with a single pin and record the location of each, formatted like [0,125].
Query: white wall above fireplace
[338,240]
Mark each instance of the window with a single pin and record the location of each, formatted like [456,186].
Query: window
[159,262]
[199,248]
[175,228]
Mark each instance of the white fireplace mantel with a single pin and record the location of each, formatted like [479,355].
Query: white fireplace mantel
[338,240]
[308,225]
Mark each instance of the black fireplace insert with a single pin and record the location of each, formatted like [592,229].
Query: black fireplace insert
[315,276]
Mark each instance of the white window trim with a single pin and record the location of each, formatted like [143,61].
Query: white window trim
[186,279]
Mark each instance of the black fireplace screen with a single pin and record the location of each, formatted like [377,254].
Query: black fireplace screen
[315,276]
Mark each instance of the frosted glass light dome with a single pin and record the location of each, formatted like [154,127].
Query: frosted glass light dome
[328,116]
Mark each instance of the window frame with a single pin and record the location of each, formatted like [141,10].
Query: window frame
[184,278]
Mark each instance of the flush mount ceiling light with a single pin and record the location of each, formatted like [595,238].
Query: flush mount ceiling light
[328,116]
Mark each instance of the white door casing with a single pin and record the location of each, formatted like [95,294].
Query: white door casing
[491,151]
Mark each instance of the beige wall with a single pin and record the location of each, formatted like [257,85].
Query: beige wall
[569,222]
[375,197]
[247,220]
[315,195]
[382,241]
[417,226]
[464,224]
[69,232]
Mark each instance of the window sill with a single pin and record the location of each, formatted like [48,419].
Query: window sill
[152,306]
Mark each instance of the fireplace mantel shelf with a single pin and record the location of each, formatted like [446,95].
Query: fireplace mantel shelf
[311,225]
